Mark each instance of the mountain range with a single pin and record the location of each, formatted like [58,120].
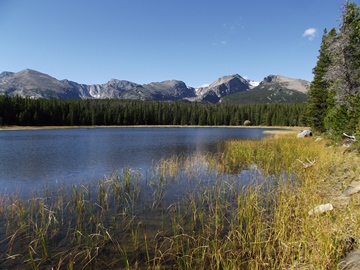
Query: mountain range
[232,88]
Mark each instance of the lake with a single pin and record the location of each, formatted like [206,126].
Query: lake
[32,157]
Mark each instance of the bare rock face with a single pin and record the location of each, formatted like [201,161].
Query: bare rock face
[223,86]
[112,89]
[287,83]
[6,74]
[169,90]
[31,83]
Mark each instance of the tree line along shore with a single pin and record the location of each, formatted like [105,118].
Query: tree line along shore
[19,111]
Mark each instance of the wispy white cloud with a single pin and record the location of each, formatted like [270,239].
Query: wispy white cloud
[219,42]
[233,26]
[310,33]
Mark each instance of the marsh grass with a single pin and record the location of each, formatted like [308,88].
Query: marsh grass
[190,213]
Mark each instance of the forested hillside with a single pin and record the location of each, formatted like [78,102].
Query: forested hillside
[334,96]
[53,112]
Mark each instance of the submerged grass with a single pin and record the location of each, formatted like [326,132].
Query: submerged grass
[180,217]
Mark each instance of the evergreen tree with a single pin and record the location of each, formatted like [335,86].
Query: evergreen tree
[343,74]
[318,93]
[344,49]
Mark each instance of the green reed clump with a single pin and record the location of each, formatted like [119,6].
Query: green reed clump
[187,215]
[67,228]
[278,155]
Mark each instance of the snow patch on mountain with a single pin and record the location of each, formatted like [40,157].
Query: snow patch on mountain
[253,83]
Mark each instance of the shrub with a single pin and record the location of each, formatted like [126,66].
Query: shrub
[247,123]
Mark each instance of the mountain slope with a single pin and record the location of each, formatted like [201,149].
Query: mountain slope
[277,81]
[34,84]
[222,87]
[273,89]
[169,90]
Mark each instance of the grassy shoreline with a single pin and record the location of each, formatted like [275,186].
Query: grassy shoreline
[285,128]
[208,222]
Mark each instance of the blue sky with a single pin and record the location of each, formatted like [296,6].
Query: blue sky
[143,41]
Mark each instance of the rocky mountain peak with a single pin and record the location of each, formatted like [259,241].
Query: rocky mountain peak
[223,86]
[121,84]
[30,72]
[233,79]
[6,74]
[170,88]
[278,82]
[268,79]
[32,83]
[168,83]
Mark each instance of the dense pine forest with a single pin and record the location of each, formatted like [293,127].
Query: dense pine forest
[50,112]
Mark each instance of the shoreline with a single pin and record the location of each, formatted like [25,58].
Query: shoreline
[284,128]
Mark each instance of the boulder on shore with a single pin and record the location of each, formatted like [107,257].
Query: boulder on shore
[305,133]
[352,188]
[321,209]
[351,261]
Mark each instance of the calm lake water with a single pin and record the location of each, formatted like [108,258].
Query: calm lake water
[32,157]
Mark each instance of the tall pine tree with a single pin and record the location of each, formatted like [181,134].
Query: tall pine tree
[319,87]
[343,74]
[344,49]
